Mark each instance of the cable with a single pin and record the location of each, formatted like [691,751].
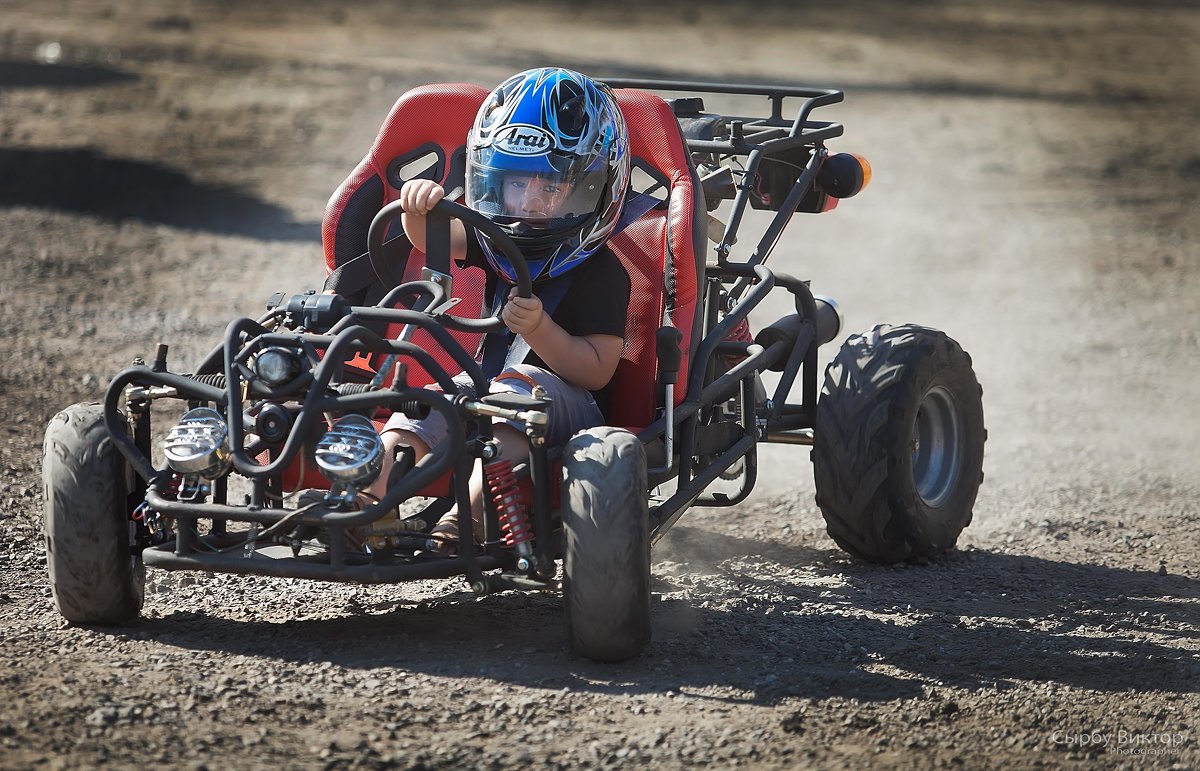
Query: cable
[273,528]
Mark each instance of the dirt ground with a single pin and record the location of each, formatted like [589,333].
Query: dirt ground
[164,167]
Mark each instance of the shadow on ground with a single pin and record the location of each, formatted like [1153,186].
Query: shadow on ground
[86,182]
[895,630]
[34,75]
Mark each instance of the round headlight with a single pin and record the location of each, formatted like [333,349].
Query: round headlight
[276,366]
[199,444]
[350,452]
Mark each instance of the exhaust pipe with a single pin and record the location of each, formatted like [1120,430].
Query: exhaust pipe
[829,323]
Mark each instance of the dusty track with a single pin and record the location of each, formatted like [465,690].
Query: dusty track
[1036,192]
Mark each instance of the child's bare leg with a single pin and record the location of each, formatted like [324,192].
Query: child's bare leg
[391,439]
[513,447]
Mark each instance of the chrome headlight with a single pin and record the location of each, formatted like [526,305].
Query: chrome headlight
[351,452]
[199,444]
[276,366]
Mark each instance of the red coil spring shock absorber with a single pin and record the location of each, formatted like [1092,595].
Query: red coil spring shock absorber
[514,521]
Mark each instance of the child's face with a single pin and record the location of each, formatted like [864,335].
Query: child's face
[531,197]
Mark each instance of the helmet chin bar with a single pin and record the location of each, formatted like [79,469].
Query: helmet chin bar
[538,243]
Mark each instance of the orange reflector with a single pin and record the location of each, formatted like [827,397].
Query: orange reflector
[866,170]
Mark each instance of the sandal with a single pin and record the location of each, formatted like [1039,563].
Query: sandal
[444,535]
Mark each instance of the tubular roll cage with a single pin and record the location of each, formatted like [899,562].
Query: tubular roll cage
[755,139]
[231,390]
[683,428]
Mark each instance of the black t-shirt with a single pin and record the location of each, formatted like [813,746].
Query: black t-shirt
[595,302]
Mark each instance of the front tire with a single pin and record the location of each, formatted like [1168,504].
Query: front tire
[94,576]
[898,444]
[606,584]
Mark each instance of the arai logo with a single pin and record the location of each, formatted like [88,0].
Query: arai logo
[523,139]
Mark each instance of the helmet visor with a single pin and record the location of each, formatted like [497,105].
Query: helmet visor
[529,202]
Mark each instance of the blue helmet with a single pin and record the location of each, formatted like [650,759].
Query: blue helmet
[548,161]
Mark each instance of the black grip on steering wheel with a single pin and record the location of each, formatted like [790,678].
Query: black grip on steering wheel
[437,245]
[493,231]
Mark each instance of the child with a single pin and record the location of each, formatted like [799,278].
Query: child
[548,162]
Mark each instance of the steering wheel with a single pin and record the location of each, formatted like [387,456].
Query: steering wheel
[437,254]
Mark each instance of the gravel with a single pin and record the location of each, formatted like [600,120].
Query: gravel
[1017,204]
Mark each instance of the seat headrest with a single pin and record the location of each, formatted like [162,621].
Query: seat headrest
[654,133]
[428,118]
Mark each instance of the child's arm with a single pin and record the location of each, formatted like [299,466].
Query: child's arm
[417,198]
[585,361]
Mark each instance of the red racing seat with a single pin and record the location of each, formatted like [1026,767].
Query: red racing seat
[424,136]
[663,252]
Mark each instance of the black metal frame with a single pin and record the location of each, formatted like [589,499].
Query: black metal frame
[731,290]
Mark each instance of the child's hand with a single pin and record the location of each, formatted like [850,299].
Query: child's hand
[418,196]
[522,315]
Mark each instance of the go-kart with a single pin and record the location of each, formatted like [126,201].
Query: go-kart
[276,432]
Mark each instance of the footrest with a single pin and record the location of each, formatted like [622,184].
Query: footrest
[520,402]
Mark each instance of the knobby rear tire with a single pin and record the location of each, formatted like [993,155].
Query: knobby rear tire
[898,444]
[606,585]
[94,576]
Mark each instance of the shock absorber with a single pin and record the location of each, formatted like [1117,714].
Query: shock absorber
[514,520]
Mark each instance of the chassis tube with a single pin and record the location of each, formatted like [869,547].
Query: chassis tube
[539,470]
[822,95]
[740,200]
[806,306]
[436,292]
[750,459]
[112,399]
[757,357]
[308,412]
[800,188]
[235,562]
[440,334]
[464,468]
[802,436]
[669,511]
[699,363]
